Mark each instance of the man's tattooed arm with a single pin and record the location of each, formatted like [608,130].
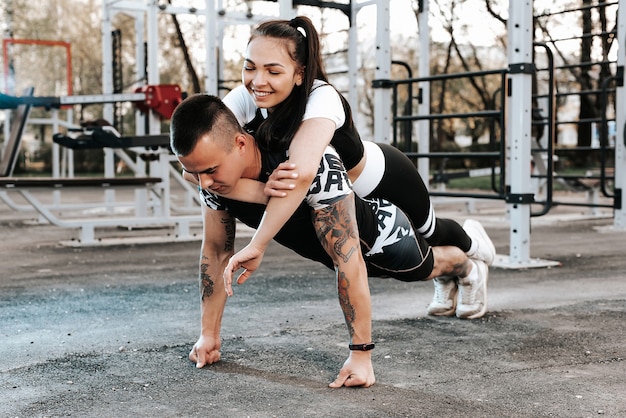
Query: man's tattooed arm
[227,232]
[335,223]
[206,282]
[344,301]
[335,226]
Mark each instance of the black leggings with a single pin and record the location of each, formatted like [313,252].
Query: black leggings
[401,184]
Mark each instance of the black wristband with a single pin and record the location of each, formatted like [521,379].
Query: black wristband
[362,347]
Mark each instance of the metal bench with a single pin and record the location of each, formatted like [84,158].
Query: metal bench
[11,183]
[152,209]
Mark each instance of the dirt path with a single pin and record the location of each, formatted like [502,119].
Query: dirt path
[105,332]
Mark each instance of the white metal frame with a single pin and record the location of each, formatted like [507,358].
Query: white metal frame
[518,129]
[518,134]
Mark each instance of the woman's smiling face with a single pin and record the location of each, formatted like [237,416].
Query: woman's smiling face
[269,73]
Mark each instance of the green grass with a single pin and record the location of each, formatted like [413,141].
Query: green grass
[484,182]
[477,183]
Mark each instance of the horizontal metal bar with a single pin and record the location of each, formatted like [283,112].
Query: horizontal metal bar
[53,101]
[480,114]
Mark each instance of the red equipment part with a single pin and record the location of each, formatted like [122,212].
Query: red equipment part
[162,98]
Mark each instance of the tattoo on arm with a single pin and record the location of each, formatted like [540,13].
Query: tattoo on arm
[344,300]
[335,223]
[229,229]
[335,227]
[206,283]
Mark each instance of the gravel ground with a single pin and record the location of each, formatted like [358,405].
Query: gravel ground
[105,332]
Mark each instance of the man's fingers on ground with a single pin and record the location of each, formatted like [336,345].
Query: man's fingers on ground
[353,380]
[339,381]
[196,358]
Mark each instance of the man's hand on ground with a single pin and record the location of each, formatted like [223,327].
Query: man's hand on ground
[356,371]
[206,351]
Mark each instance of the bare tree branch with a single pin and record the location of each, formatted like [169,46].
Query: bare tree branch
[188,63]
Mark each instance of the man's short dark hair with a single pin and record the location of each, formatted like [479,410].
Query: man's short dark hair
[197,116]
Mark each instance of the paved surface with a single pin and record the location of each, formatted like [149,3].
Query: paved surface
[105,332]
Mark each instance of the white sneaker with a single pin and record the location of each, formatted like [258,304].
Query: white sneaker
[485,251]
[444,300]
[473,293]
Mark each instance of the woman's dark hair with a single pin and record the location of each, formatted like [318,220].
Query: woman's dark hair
[200,115]
[303,44]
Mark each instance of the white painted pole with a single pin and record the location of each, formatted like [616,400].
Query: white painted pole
[286,9]
[619,218]
[211,58]
[382,95]
[353,60]
[107,88]
[518,132]
[423,69]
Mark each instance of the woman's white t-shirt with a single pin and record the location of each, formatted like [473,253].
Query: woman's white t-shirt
[323,102]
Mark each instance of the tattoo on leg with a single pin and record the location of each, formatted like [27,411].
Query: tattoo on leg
[344,301]
[462,269]
[206,283]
